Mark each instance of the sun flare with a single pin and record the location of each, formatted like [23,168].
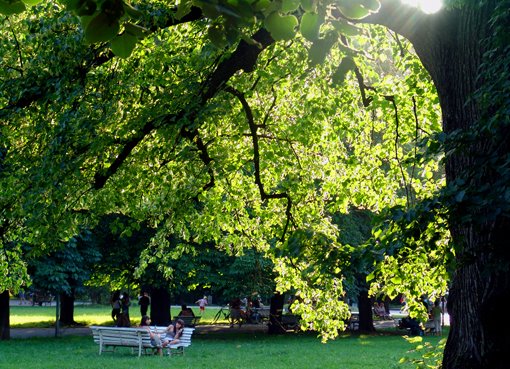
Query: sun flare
[426,6]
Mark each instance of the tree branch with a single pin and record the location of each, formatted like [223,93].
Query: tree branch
[256,160]
[243,58]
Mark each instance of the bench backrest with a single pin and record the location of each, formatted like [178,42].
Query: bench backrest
[186,337]
[121,336]
[189,321]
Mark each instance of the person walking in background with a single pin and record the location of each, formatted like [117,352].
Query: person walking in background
[202,303]
[115,302]
[21,296]
[144,303]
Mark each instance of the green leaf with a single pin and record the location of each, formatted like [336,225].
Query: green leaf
[370,277]
[135,13]
[345,28]
[372,5]
[8,8]
[217,36]
[124,44]
[289,6]
[320,49]
[347,64]
[101,28]
[281,27]
[31,2]
[87,7]
[262,5]
[309,5]
[310,26]
[135,30]
[396,280]
[352,10]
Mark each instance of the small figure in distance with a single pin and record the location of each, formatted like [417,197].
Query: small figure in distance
[173,333]
[144,303]
[186,311]
[202,303]
[115,302]
[123,319]
[155,338]
[436,317]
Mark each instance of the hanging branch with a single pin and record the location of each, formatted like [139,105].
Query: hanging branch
[363,87]
[397,138]
[416,135]
[18,47]
[256,160]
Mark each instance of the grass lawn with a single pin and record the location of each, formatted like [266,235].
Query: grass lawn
[44,316]
[209,350]
[213,351]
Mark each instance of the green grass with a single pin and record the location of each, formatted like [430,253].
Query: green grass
[209,350]
[44,316]
[215,351]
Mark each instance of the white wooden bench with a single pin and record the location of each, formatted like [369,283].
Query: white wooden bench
[184,341]
[136,338]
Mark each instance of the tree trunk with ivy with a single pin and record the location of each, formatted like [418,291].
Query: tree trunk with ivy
[452,46]
[466,55]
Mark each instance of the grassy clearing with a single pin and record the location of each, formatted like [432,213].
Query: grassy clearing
[44,316]
[209,351]
[214,351]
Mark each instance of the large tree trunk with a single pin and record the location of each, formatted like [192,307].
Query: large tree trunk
[160,306]
[451,44]
[480,285]
[5,329]
[67,309]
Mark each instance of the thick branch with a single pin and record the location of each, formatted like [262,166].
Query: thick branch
[243,58]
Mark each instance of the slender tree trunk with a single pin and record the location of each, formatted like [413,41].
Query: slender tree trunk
[366,319]
[5,329]
[67,309]
[160,306]
[275,314]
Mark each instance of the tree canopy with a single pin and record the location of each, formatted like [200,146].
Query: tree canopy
[249,124]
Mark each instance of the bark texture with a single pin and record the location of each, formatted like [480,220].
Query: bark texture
[451,45]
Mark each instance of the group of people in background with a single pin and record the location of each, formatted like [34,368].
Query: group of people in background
[120,307]
[121,302]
